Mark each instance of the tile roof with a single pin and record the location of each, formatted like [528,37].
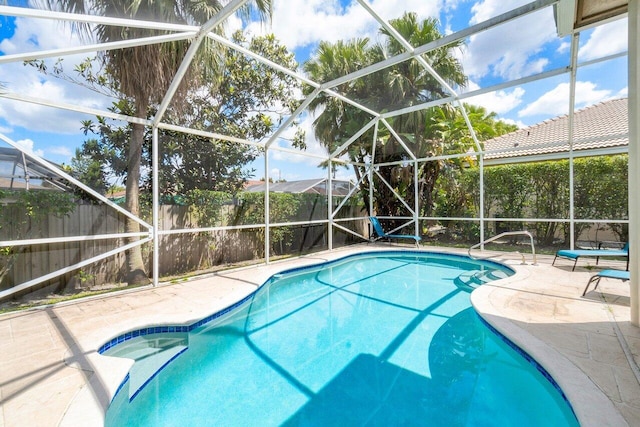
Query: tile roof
[602,125]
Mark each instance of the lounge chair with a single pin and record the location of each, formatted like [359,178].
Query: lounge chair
[382,235]
[577,253]
[610,274]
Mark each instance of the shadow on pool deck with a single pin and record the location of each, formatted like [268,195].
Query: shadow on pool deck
[51,374]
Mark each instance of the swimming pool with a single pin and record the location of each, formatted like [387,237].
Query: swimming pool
[385,338]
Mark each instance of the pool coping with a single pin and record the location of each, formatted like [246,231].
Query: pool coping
[590,405]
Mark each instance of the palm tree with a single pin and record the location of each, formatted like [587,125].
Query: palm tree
[144,73]
[402,85]
[338,120]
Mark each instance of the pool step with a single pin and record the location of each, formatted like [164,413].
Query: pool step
[474,278]
[144,370]
[151,353]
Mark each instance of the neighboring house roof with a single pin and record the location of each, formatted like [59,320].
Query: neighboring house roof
[18,171]
[16,184]
[252,182]
[598,129]
[316,186]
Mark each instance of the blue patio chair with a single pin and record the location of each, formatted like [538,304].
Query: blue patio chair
[382,235]
[577,253]
[610,274]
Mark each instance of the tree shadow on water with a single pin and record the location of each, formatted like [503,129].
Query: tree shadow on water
[374,392]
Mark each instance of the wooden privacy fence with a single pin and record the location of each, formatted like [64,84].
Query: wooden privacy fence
[24,263]
[180,253]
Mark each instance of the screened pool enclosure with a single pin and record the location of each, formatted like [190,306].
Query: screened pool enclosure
[389,123]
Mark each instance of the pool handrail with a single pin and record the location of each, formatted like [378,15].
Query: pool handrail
[509,233]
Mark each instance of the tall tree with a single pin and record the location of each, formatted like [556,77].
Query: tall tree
[339,121]
[402,85]
[248,101]
[144,73]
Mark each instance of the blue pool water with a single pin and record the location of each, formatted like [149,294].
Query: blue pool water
[378,339]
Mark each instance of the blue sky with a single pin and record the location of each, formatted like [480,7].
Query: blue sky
[525,47]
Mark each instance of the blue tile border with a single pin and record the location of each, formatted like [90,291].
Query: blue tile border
[121,386]
[174,328]
[530,360]
[466,258]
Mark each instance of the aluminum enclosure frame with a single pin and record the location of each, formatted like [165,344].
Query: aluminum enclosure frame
[197,34]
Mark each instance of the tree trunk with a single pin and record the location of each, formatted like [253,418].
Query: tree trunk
[136,273]
[430,175]
[363,194]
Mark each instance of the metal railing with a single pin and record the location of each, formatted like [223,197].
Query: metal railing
[509,233]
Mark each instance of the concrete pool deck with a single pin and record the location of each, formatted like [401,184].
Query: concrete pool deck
[51,374]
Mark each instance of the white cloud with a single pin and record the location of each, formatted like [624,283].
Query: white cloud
[41,34]
[394,9]
[451,5]
[232,24]
[556,101]
[275,174]
[301,24]
[622,93]
[60,151]
[4,129]
[499,102]
[519,123]
[564,47]
[27,145]
[509,50]
[605,40]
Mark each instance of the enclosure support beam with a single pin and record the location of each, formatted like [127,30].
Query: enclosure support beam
[339,151]
[634,159]
[57,53]
[416,204]
[267,241]
[330,212]
[93,19]
[575,39]
[155,165]
[371,166]
[482,221]
[38,280]
[292,118]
